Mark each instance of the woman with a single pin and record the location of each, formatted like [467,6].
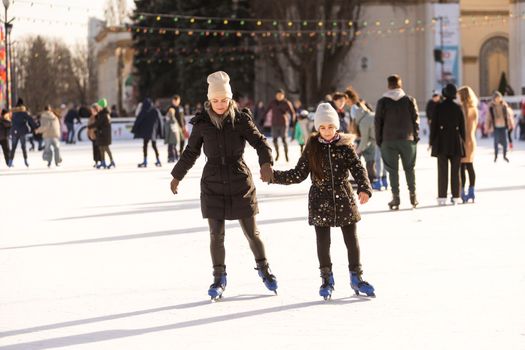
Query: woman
[50,131]
[447,138]
[148,126]
[92,134]
[469,102]
[227,189]
[102,125]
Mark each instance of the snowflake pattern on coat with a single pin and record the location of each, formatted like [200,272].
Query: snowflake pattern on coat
[331,201]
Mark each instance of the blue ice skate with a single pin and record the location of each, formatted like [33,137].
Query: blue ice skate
[360,286]
[263,269]
[327,287]
[376,185]
[218,287]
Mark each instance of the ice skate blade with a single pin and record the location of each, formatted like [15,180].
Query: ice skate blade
[216,299]
[371,295]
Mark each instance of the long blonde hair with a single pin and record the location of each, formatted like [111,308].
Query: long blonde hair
[468,97]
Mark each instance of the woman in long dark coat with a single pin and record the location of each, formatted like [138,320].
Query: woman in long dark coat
[102,126]
[148,126]
[447,139]
[227,188]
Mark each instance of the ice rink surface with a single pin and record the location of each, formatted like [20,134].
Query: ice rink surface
[110,259]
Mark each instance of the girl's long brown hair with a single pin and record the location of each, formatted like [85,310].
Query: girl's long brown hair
[314,153]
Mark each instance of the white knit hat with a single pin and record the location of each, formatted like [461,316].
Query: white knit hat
[325,114]
[219,85]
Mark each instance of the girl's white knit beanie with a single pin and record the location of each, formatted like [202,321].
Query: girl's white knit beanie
[325,114]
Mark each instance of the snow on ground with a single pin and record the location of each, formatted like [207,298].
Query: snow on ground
[110,259]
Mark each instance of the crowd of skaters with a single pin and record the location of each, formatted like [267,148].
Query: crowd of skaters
[285,120]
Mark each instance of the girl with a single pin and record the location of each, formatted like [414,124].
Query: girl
[227,189]
[469,102]
[447,137]
[327,158]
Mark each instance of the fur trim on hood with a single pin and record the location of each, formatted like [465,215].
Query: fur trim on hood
[346,139]
[19,109]
[395,94]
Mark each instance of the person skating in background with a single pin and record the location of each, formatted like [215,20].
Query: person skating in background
[70,119]
[397,134]
[227,188]
[328,158]
[92,134]
[22,124]
[363,119]
[50,130]
[522,121]
[179,115]
[34,136]
[102,125]
[258,115]
[338,103]
[148,126]
[5,126]
[282,113]
[172,135]
[303,122]
[114,112]
[431,106]
[498,122]
[447,139]
[469,103]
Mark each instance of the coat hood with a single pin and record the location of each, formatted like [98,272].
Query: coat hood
[345,139]
[19,109]
[395,94]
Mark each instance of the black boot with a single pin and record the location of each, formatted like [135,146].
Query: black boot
[413,199]
[394,203]
[286,152]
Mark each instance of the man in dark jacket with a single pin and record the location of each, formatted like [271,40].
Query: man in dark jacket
[70,118]
[282,113]
[397,133]
[431,106]
[22,124]
[179,115]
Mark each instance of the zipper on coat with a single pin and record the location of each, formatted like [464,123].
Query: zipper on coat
[333,183]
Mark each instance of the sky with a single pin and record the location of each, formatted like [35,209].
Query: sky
[65,19]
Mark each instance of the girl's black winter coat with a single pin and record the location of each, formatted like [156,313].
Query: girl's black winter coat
[331,200]
[227,189]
